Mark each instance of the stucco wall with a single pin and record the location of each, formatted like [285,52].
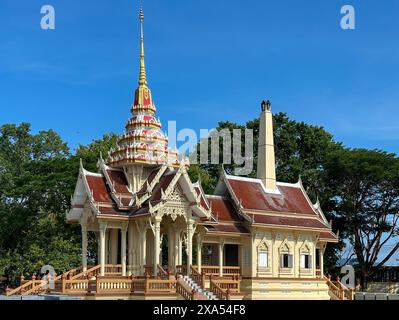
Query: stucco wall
[276,242]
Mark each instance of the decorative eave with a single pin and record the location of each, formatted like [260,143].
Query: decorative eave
[117,197]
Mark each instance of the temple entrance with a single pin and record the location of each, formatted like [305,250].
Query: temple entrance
[231,255]
[164,258]
[210,254]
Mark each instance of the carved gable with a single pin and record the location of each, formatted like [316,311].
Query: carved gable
[176,205]
[177,197]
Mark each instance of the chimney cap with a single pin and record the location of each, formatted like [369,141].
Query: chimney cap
[265,105]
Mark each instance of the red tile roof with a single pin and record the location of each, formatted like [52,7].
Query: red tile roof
[118,179]
[222,209]
[98,186]
[289,221]
[163,183]
[150,178]
[328,236]
[112,211]
[204,202]
[230,228]
[254,197]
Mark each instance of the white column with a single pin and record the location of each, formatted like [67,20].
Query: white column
[84,247]
[107,247]
[103,229]
[190,225]
[220,259]
[314,261]
[98,247]
[143,249]
[123,248]
[131,243]
[175,249]
[171,245]
[157,244]
[179,250]
[321,252]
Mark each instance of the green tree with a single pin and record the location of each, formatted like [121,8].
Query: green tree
[36,175]
[92,152]
[37,178]
[366,203]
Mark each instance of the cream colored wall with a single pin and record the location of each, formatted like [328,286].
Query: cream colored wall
[284,289]
[275,240]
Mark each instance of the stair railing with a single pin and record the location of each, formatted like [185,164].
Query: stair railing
[198,277]
[336,291]
[91,272]
[347,292]
[218,291]
[163,274]
[184,291]
[35,286]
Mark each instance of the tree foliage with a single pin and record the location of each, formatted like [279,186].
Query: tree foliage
[366,203]
[37,178]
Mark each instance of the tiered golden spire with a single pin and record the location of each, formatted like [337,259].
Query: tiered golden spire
[142,75]
[143,142]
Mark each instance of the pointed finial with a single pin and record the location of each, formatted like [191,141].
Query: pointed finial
[141,16]
[142,76]
[265,105]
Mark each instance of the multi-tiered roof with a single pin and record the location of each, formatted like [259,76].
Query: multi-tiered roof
[143,141]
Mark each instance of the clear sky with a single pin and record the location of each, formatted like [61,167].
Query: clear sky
[206,61]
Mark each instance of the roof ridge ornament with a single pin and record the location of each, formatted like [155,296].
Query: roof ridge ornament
[266,105]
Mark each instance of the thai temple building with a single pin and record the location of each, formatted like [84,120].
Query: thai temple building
[161,237]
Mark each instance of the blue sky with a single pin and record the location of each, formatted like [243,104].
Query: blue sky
[206,61]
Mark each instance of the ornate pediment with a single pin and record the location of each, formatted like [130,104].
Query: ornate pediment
[176,204]
[176,196]
[174,211]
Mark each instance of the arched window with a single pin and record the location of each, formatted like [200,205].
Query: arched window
[263,256]
[285,255]
[305,257]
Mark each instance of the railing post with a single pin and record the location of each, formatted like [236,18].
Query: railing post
[63,285]
[146,284]
[228,294]
[98,285]
[193,294]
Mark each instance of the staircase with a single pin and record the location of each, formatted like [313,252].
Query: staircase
[38,286]
[200,291]
[337,291]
